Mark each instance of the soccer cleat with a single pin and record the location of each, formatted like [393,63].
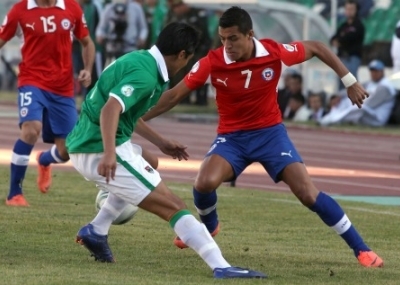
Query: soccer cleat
[96,244]
[44,176]
[237,272]
[179,243]
[369,259]
[17,201]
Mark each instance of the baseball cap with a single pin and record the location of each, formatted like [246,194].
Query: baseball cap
[376,65]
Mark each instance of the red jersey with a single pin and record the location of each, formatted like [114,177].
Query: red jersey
[47,43]
[246,92]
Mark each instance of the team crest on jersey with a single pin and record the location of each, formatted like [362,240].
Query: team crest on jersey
[23,112]
[127,90]
[268,74]
[290,48]
[65,24]
[149,169]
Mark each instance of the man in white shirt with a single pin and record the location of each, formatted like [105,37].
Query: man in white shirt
[377,107]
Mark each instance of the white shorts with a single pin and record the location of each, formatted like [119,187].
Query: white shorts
[134,177]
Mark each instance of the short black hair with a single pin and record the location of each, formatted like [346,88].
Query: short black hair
[176,37]
[298,98]
[353,2]
[297,76]
[236,16]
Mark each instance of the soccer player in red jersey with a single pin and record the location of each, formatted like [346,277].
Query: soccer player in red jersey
[45,83]
[245,72]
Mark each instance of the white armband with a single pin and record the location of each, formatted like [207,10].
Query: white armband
[348,80]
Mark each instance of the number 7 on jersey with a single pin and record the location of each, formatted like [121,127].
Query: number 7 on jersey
[247,72]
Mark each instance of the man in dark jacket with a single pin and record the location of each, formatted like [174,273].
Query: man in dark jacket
[349,39]
[182,12]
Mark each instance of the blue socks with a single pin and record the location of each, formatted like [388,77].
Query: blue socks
[333,216]
[206,205]
[50,156]
[19,164]
[326,208]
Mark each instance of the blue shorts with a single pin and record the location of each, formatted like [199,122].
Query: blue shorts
[57,113]
[271,147]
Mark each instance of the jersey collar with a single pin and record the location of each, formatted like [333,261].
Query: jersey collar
[162,67]
[32,4]
[260,51]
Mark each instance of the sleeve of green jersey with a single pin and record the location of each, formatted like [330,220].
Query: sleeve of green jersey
[132,89]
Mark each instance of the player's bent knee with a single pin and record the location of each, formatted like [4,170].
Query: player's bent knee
[306,193]
[206,185]
[30,135]
[163,204]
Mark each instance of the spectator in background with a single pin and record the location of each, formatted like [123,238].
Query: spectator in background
[92,11]
[364,11]
[349,39]
[377,107]
[395,48]
[294,88]
[316,105]
[285,92]
[122,28]
[182,12]
[296,109]
[155,14]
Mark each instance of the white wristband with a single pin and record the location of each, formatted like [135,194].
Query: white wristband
[348,80]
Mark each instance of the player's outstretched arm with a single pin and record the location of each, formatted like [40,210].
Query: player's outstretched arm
[145,131]
[168,99]
[169,147]
[355,91]
[324,53]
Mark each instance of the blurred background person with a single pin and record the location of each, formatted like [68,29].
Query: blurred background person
[376,109]
[296,109]
[294,88]
[316,105]
[365,7]
[349,38]
[155,12]
[92,10]
[122,28]
[292,84]
[395,49]
[179,11]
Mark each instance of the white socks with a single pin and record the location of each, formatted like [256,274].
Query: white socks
[110,210]
[196,236]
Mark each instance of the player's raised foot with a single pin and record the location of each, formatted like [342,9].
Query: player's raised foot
[96,244]
[17,201]
[179,243]
[237,272]
[44,176]
[369,259]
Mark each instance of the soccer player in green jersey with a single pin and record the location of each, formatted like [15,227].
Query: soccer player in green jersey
[100,148]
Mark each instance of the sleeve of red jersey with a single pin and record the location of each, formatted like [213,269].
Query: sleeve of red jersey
[81,29]
[10,25]
[292,53]
[199,74]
